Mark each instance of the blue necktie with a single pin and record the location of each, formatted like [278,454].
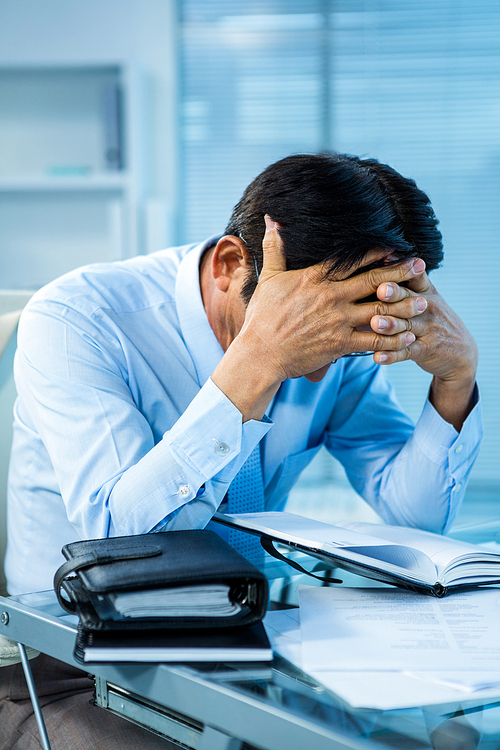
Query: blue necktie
[246,495]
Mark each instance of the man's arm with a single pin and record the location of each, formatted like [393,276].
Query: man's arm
[120,469]
[411,475]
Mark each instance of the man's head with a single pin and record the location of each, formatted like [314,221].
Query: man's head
[335,208]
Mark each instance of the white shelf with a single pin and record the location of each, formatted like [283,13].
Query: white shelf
[118,181]
[72,177]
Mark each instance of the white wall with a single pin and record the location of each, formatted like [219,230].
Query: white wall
[142,32]
[139,32]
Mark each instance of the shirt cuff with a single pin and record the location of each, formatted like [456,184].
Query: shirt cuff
[210,438]
[438,439]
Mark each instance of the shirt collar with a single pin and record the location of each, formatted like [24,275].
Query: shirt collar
[200,340]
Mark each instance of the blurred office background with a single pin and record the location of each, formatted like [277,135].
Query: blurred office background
[130,125]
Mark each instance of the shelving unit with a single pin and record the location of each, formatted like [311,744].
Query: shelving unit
[27,183]
[72,180]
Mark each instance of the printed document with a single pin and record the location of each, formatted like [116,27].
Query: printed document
[384,629]
[381,689]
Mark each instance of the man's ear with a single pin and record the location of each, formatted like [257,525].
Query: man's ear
[229,261]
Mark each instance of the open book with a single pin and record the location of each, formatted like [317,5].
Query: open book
[406,557]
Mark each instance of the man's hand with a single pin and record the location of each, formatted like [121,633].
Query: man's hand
[443,346]
[298,322]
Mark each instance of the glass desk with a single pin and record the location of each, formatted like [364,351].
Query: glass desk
[272,707]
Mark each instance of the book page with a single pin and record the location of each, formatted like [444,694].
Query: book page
[442,550]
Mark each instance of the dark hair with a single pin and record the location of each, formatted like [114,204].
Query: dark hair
[334,208]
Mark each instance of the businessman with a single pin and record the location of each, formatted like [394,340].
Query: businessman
[145,385]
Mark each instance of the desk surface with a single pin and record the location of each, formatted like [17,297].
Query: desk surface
[274,708]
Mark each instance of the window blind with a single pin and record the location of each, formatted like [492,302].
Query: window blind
[414,84]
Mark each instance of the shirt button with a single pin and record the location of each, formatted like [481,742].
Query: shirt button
[458,448]
[184,490]
[222,449]
[458,487]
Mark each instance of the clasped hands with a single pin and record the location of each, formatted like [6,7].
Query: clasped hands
[299,322]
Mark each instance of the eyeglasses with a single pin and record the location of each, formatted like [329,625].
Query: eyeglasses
[254,257]
[357,354]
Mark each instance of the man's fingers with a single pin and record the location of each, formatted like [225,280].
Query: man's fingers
[411,351]
[403,316]
[386,318]
[391,292]
[373,256]
[365,342]
[420,284]
[388,325]
[274,260]
[389,276]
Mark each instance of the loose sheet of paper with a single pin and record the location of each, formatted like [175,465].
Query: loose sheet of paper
[385,629]
[382,690]
[387,691]
[283,630]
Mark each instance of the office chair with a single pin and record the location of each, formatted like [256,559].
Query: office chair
[10,651]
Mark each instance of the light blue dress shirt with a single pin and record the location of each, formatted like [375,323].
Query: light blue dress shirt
[120,430]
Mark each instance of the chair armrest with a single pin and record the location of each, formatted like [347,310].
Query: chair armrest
[9,653]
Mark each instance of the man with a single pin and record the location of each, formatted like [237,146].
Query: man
[145,385]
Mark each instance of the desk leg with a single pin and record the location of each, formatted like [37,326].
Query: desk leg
[212,739]
[34,697]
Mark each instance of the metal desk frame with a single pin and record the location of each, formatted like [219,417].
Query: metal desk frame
[198,714]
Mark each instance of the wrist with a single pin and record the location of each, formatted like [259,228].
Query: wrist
[247,378]
[453,399]
[459,385]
